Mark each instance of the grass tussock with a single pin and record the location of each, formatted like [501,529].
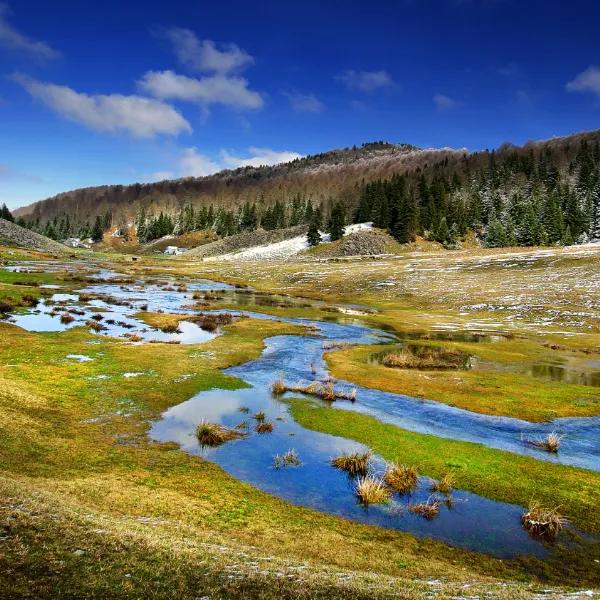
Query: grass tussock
[95,326]
[287,459]
[260,415]
[323,390]
[444,485]
[371,490]
[212,321]
[429,509]
[401,478]
[6,306]
[170,328]
[543,522]
[215,434]
[354,463]
[416,356]
[264,427]
[66,319]
[550,443]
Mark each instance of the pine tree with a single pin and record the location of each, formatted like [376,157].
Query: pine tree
[97,230]
[495,236]
[6,214]
[314,235]
[337,221]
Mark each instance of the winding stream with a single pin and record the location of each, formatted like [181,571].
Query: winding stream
[469,521]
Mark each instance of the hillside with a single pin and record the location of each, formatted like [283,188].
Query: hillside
[12,234]
[542,193]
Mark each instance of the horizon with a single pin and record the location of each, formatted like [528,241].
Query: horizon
[114,94]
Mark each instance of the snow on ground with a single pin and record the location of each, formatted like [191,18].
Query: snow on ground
[284,249]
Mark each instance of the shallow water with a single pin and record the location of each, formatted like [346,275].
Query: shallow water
[473,522]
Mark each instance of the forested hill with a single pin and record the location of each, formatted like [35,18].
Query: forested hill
[540,193]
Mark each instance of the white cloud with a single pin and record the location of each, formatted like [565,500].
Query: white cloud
[212,89]
[14,39]
[586,81]
[304,102]
[111,113]
[364,81]
[204,55]
[192,163]
[443,102]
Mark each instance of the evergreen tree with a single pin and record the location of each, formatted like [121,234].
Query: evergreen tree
[97,230]
[6,214]
[314,235]
[337,221]
[495,235]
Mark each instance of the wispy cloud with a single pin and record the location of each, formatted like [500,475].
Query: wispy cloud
[193,163]
[304,102]
[205,55]
[12,38]
[445,103]
[364,81]
[212,89]
[586,81]
[110,113]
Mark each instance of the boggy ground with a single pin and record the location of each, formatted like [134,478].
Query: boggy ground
[91,508]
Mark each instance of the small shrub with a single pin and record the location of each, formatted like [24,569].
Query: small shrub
[288,459]
[355,463]
[429,509]
[371,490]
[66,319]
[214,434]
[170,328]
[543,522]
[264,427]
[400,478]
[97,317]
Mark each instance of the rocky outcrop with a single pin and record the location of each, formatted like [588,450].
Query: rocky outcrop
[12,234]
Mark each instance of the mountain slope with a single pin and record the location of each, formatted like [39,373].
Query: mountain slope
[13,235]
[331,174]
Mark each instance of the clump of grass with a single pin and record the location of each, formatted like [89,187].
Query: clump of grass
[133,337]
[29,300]
[143,307]
[288,459]
[371,490]
[97,317]
[215,434]
[260,415]
[354,463]
[444,485]
[95,326]
[543,522]
[550,443]
[212,321]
[278,387]
[264,427]
[419,356]
[324,390]
[66,319]
[244,409]
[170,328]
[429,509]
[242,425]
[401,478]
[6,306]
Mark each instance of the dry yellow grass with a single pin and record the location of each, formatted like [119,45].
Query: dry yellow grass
[371,490]
[401,478]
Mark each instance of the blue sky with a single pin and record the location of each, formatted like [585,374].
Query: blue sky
[117,92]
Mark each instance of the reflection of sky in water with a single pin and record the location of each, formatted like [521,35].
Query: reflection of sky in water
[473,522]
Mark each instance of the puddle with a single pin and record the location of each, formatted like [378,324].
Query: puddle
[79,357]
